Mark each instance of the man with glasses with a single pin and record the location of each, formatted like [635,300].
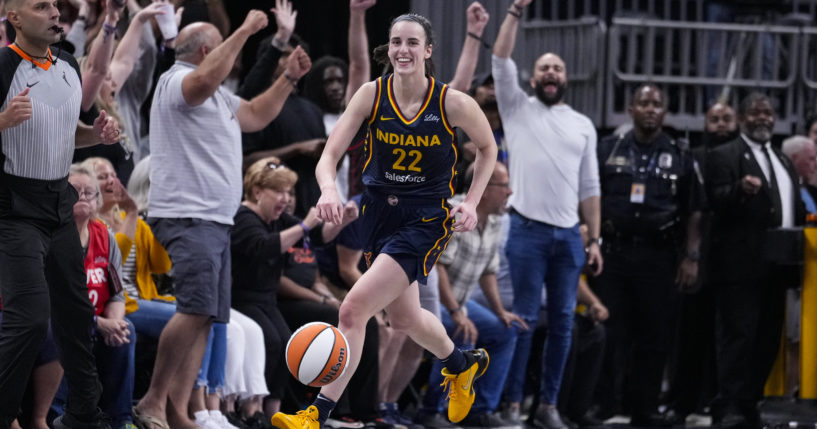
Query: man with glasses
[41,262]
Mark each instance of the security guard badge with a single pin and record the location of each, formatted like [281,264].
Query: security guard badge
[637,193]
[665,160]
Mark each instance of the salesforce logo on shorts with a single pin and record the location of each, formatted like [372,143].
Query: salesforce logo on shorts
[405,178]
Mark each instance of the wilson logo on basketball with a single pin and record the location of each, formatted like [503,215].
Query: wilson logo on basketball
[317,353]
[335,368]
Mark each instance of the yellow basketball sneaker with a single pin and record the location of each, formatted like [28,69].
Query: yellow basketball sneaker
[461,386]
[304,419]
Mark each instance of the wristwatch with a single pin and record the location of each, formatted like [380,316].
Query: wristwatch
[593,240]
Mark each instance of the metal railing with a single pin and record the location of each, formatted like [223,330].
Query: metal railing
[696,63]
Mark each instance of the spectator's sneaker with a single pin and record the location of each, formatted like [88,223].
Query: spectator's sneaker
[380,423]
[548,418]
[512,415]
[68,421]
[390,413]
[461,386]
[435,421]
[235,419]
[204,421]
[304,419]
[221,420]
[343,423]
[487,420]
[255,421]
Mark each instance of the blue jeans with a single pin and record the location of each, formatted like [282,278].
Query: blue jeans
[116,372]
[540,253]
[152,316]
[498,340]
[211,373]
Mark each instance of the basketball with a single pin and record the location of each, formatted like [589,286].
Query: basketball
[317,354]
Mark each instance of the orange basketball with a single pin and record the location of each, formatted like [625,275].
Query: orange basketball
[317,354]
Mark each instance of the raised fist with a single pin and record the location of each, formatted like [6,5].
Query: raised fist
[298,63]
[255,21]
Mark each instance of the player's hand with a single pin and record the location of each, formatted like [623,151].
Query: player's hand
[298,63]
[106,128]
[17,111]
[350,212]
[594,260]
[361,5]
[509,318]
[465,328]
[255,21]
[329,206]
[477,18]
[284,19]
[750,184]
[468,217]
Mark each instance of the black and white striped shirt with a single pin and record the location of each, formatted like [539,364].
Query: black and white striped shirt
[41,147]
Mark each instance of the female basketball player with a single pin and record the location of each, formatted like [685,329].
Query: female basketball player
[409,171]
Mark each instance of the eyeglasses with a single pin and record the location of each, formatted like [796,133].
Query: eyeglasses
[87,194]
[501,185]
[272,165]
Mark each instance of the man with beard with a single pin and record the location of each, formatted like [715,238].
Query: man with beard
[752,189]
[720,125]
[651,199]
[553,172]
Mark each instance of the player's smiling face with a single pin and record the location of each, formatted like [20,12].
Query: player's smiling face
[407,47]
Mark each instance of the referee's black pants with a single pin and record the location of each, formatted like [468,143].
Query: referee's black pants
[42,276]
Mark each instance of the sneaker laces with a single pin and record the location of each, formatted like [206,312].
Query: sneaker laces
[305,417]
[448,383]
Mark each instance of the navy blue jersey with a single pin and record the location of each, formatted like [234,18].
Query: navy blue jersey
[416,156]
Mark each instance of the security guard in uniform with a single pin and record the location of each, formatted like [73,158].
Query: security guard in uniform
[652,196]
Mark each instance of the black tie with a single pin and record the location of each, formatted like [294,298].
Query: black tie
[774,192]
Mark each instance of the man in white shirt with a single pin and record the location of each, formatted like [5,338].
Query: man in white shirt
[553,172]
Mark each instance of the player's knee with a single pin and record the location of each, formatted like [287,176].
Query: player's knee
[352,314]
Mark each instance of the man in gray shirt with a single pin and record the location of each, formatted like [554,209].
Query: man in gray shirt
[195,177]
[554,172]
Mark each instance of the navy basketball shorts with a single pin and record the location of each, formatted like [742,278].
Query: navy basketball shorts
[413,231]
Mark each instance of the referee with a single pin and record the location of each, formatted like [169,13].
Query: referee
[41,260]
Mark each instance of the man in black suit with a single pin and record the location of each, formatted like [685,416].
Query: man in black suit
[752,189]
